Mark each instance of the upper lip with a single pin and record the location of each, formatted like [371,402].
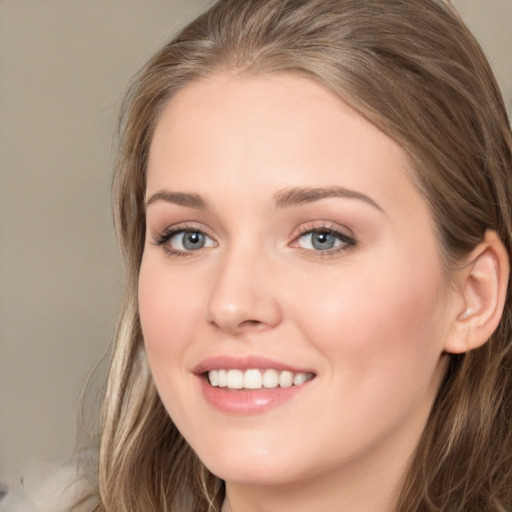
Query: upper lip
[245,363]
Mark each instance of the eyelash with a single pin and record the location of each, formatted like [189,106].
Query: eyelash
[162,239]
[347,242]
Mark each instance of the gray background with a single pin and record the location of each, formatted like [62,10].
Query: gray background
[63,67]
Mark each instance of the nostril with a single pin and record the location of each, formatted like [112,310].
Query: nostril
[250,323]
[239,327]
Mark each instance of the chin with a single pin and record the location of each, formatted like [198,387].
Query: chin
[254,476]
[253,469]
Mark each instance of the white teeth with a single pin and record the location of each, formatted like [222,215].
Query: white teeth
[299,378]
[256,379]
[286,379]
[214,377]
[252,379]
[270,378]
[235,379]
[223,378]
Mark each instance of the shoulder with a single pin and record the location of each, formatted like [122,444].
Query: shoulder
[48,488]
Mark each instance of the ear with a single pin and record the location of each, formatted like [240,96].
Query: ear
[482,284]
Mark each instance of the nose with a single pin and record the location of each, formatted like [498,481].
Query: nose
[242,296]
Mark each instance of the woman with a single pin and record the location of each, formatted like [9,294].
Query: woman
[313,199]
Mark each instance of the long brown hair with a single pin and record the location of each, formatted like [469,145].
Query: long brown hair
[413,69]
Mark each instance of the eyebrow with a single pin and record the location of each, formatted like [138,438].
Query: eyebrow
[297,195]
[179,198]
[285,198]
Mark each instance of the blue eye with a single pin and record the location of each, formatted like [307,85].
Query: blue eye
[188,241]
[324,240]
[179,241]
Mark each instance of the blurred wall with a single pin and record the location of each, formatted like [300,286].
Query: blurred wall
[491,22]
[63,66]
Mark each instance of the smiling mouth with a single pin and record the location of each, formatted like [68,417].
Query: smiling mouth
[256,378]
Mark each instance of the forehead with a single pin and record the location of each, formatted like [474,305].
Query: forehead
[262,133]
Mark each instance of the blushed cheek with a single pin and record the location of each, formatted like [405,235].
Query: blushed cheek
[160,315]
[373,316]
[163,313]
[163,299]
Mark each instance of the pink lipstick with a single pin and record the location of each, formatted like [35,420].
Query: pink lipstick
[250,385]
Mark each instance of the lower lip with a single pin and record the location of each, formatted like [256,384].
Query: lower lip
[248,401]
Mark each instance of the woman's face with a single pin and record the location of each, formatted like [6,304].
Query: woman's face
[292,298]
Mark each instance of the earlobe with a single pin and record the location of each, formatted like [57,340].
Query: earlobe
[483,286]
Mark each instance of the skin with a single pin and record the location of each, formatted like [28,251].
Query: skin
[371,320]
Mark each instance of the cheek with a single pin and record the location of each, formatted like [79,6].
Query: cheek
[169,312]
[385,319]
[379,335]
